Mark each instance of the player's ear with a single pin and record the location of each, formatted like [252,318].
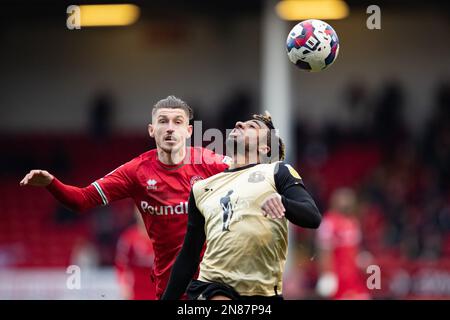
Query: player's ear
[151,130]
[264,152]
[264,149]
[189,130]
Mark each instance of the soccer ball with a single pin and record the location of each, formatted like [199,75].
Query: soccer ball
[312,45]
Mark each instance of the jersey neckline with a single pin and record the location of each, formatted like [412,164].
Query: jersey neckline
[241,168]
[172,166]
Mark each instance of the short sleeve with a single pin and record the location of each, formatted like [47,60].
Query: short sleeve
[285,177]
[118,184]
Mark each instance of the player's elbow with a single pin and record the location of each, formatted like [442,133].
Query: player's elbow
[316,216]
[316,220]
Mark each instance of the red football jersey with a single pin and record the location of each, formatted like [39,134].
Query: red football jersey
[134,264]
[342,235]
[161,193]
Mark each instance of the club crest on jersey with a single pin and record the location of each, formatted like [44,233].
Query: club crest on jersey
[194,179]
[293,172]
[256,176]
[151,184]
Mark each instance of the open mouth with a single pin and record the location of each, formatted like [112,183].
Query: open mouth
[170,139]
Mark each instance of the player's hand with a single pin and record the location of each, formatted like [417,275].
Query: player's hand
[273,206]
[37,178]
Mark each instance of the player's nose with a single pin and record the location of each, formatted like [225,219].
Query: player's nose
[170,127]
[239,125]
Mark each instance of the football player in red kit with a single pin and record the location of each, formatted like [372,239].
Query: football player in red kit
[338,240]
[134,263]
[159,182]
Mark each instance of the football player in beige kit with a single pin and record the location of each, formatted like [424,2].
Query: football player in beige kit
[242,214]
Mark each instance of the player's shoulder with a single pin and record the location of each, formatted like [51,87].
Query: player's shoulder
[150,154]
[278,167]
[147,156]
[206,157]
[133,165]
[284,168]
[130,167]
[204,183]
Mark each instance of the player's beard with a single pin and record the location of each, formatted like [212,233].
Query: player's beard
[172,150]
[239,149]
[169,148]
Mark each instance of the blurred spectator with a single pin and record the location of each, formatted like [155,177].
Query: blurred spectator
[389,123]
[338,242]
[102,115]
[106,231]
[11,255]
[436,142]
[84,254]
[134,263]
[357,113]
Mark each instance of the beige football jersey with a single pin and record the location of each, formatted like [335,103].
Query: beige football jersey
[245,249]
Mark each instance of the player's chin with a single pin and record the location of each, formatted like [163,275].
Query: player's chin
[170,146]
[233,139]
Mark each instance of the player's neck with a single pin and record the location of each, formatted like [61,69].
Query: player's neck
[171,158]
[239,162]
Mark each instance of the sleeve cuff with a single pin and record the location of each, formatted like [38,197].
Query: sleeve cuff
[54,185]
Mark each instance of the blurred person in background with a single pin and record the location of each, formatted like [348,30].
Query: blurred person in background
[101,116]
[159,182]
[338,242]
[134,263]
[84,254]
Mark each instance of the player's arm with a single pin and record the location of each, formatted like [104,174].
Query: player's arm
[74,198]
[188,259]
[114,186]
[292,200]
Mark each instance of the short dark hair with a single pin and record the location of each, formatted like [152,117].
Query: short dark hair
[173,102]
[267,120]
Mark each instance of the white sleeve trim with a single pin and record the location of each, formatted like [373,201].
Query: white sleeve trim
[100,191]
